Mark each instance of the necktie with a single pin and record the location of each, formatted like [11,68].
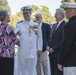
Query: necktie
[55,27]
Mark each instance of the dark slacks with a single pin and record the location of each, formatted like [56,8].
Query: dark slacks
[54,68]
[6,66]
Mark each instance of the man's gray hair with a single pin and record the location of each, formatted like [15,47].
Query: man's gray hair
[60,10]
[38,15]
[3,14]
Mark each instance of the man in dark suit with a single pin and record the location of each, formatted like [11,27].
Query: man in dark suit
[55,41]
[43,56]
[67,58]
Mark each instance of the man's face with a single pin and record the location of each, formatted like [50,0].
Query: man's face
[38,18]
[27,15]
[68,12]
[58,16]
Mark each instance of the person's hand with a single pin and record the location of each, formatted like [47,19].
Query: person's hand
[50,50]
[47,47]
[18,44]
[39,52]
[18,33]
[60,67]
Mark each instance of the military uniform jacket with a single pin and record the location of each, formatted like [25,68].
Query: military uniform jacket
[29,43]
[68,50]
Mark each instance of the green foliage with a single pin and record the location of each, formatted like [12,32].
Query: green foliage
[68,0]
[34,7]
[16,18]
[4,6]
[47,17]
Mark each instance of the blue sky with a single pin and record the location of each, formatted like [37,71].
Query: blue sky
[16,5]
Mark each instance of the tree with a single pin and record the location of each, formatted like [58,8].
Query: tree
[16,18]
[68,1]
[34,7]
[4,6]
[47,17]
[44,10]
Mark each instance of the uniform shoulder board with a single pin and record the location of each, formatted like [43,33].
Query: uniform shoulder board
[20,21]
[34,20]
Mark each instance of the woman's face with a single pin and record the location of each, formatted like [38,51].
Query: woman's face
[7,18]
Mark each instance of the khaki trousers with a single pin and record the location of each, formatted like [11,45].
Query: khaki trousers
[42,64]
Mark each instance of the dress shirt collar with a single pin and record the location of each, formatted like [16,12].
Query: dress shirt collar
[59,22]
[40,24]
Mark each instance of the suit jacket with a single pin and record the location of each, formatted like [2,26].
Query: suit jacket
[45,35]
[56,39]
[68,50]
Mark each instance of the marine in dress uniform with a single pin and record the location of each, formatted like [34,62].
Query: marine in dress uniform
[31,41]
[67,58]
